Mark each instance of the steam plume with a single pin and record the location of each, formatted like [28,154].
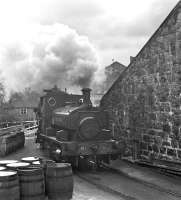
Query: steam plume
[48,55]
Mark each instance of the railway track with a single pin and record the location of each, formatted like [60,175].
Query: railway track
[150,185]
[94,178]
[166,170]
[105,188]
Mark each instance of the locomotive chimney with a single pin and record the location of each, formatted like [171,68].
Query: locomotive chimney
[86,95]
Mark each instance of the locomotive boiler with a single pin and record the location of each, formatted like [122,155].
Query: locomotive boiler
[72,130]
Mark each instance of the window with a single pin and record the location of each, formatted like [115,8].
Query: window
[23,111]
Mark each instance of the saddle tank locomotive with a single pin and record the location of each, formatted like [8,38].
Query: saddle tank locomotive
[72,130]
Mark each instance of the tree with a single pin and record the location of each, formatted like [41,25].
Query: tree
[2,94]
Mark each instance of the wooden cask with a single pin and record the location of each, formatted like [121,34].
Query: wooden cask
[30,159]
[32,185]
[2,168]
[9,185]
[17,165]
[59,181]
[11,142]
[5,162]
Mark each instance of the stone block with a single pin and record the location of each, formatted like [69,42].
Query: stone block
[144,146]
[178,35]
[150,148]
[152,132]
[175,130]
[179,153]
[171,152]
[146,138]
[155,148]
[176,120]
[163,150]
[157,140]
[163,134]
[145,153]
[164,107]
[166,128]
[166,143]
[174,143]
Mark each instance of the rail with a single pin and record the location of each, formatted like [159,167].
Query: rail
[15,123]
[32,127]
[147,184]
[4,131]
[9,129]
[176,171]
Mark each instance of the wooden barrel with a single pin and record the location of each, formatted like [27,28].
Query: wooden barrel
[45,163]
[2,168]
[7,143]
[9,185]
[36,163]
[11,141]
[5,162]
[20,139]
[17,165]
[59,181]
[42,163]
[32,185]
[30,159]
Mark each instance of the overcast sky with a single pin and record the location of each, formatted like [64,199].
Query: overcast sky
[116,28]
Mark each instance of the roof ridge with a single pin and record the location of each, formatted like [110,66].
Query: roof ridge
[149,40]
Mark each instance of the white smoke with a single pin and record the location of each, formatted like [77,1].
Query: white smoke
[47,55]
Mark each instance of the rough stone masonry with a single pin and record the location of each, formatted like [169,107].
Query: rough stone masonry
[145,101]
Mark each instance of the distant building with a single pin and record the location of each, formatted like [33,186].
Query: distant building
[112,73]
[95,98]
[22,107]
[23,111]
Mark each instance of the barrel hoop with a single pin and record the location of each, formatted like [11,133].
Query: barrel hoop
[59,192]
[53,177]
[66,193]
[33,195]
[10,178]
[8,187]
[32,181]
[30,171]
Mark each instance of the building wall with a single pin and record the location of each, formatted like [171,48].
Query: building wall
[112,72]
[145,102]
[17,113]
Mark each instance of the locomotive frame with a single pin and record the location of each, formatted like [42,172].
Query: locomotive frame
[77,151]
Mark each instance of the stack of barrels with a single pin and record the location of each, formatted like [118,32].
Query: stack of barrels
[11,139]
[34,179]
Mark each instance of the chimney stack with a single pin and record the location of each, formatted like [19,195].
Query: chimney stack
[86,96]
[131,58]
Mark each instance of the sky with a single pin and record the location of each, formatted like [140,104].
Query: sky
[105,30]
[117,28]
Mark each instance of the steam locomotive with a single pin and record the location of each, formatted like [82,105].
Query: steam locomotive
[72,130]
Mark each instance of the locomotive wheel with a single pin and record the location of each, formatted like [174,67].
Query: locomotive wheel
[82,164]
[73,161]
[114,156]
[43,145]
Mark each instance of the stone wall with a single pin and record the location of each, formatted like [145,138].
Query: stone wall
[145,102]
